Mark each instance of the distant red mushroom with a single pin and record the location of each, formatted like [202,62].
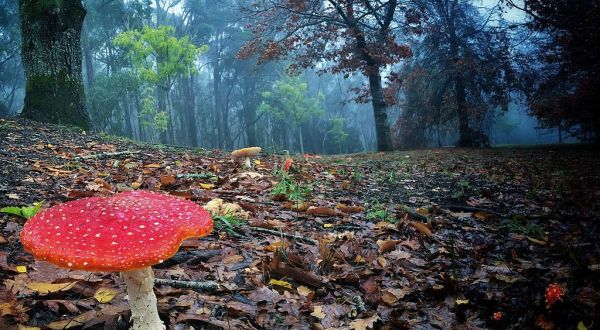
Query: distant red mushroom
[128,232]
[553,293]
[497,316]
[287,164]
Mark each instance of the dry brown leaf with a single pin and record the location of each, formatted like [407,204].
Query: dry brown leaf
[422,228]
[153,165]
[364,324]
[392,296]
[167,180]
[318,312]
[73,322]
[44,287]
[350,208]
[103,183]
[298,207]
[387,246]
[536,241]
[323,211]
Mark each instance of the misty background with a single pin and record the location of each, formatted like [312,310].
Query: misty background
[224,101]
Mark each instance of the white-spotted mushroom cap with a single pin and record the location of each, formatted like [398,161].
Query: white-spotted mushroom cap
[246,152]
[130,230]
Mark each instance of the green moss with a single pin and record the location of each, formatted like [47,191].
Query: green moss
[55,99]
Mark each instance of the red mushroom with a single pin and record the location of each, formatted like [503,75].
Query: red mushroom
[128,232]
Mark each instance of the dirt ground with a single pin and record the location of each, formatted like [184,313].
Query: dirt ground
[440,238]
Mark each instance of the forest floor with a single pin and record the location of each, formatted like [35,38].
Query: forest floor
[441,238]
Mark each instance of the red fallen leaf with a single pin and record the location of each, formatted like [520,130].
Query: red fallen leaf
[543,323]
[350,208]
[323,211]
[370,285]
[387,246]
[371,290]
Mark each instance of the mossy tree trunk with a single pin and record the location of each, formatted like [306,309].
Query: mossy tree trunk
[51,54]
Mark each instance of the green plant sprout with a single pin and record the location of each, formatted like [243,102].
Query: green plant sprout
[24,211]
[378,212]
[228,223]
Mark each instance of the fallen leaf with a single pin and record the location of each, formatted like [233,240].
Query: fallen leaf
[392,296]
[462,301]
[304,291]
[387,246]
[21,269]
[13,196]
[25,327]
[153,165]
[207,185]
[167,180]
[363,324]
[44,287]
[73,322]
[323,211]
[104,295]
[280,283]
[275,246]
[536,241]
[422,228]
[318,312]
[350,208]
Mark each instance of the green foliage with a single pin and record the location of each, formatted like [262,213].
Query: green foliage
[161,121]
[228,223]
[157,55]
[378,212]
[109,97]
[23,211]
[357,176]
[292,190]
[525,228]
[338,131]
[289,99]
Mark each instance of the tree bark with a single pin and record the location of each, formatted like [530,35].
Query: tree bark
[51,55]
[190,110]
[382,126]
[465,139]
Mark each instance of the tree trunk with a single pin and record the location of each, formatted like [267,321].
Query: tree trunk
[465,139]
[382,127]
[89,64]
[51,54]
[301,139]
[190,110]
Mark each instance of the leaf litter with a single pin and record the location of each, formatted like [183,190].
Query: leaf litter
[422,239]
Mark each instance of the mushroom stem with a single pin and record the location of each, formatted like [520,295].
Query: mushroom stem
[247,162]
[140,288]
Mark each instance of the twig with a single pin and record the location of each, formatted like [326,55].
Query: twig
[105,155]
[204,286]
[286,235]
[195,176]
[414,213]
[458,208]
